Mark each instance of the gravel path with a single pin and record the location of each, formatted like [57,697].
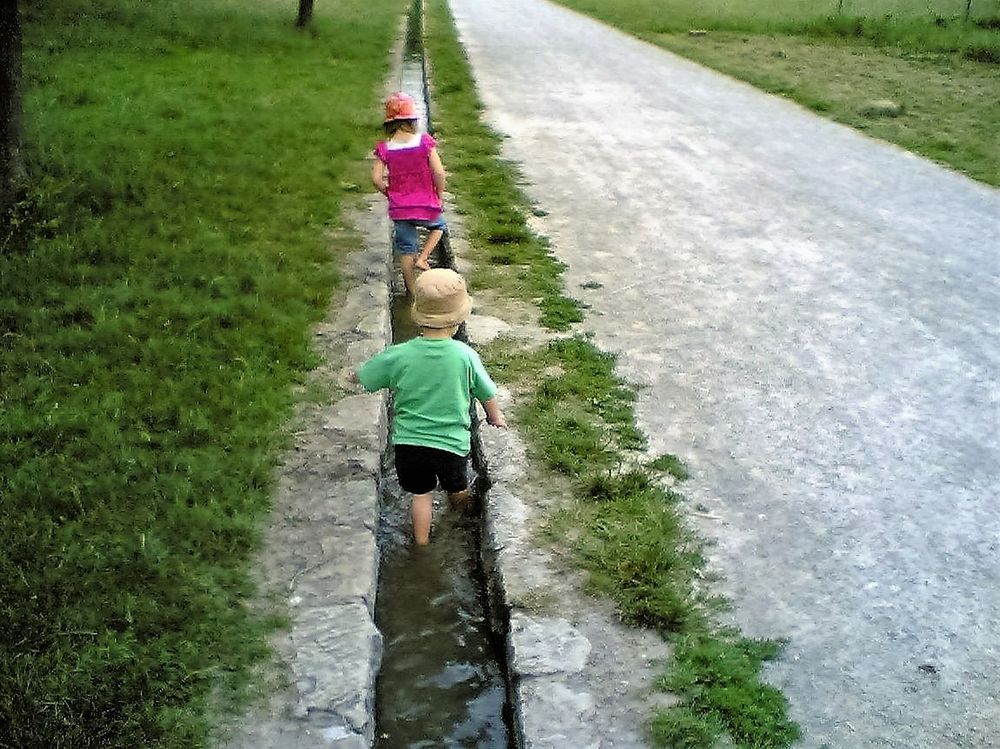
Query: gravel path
[812,318]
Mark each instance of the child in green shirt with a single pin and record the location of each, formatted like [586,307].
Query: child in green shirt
[433,379]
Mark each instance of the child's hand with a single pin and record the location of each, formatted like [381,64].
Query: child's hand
[494,416]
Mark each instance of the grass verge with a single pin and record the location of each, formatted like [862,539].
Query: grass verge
[510,258]
[943,70]
[577,416]
[629,534]
[157,283]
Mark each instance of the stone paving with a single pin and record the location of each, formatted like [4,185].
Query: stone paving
[320,555]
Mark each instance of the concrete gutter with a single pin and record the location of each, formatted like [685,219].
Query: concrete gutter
[578,678]
[320,548]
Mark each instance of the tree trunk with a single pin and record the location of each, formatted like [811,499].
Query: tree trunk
[10,100]
[305,13]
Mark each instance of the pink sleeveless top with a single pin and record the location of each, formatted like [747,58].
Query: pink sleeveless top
[411,182]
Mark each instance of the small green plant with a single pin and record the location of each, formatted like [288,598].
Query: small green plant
[670,464]
[719,678]
[638,553]
[682,728]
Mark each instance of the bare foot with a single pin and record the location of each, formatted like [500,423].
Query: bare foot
[459,501]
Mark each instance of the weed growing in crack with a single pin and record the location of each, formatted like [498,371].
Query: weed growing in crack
[670,464]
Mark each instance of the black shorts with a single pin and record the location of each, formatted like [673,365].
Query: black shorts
[419,469]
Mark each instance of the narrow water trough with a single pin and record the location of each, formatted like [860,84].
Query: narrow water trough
[443,681]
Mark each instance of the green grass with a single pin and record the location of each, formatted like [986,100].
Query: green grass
[719,679]
[509,258]
[671,465]
[157,283]
[816,16]
[581,414]
[943,70]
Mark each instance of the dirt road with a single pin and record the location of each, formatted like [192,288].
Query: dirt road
[813,319]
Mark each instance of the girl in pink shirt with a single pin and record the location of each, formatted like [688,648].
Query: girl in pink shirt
[408,171]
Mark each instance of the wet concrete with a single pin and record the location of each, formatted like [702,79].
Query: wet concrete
[811,318]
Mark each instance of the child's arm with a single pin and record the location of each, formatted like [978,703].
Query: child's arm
[437,169]
[375,373]
[378,177]
[494,416]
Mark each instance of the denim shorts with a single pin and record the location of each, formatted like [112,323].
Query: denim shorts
[404,240]
[420,469]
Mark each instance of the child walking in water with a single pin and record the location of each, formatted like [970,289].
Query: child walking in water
[433,379]
[408,171]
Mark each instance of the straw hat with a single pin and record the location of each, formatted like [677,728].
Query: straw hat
[440,299]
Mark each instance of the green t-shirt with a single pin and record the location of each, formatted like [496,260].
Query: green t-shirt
[432,381]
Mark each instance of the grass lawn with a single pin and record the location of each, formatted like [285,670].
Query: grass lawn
[943,70]
[157,283]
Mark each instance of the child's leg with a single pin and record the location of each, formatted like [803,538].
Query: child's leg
[405,245]
[406,263]
[417,478]
[433,237]
[453,474]
[421,508]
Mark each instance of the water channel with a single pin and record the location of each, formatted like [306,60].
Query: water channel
[441,683]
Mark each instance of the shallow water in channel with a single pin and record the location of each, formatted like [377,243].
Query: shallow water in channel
[440,683]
